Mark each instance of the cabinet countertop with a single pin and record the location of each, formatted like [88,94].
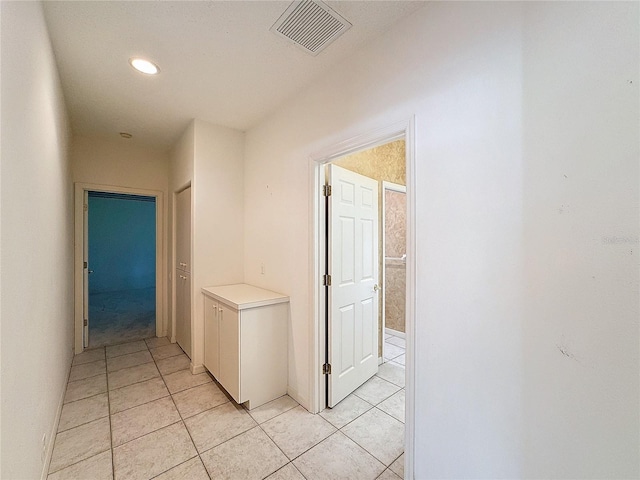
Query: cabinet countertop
[242,296]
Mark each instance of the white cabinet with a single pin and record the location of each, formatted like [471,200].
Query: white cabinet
[230,324]
[211,336]
[246,341]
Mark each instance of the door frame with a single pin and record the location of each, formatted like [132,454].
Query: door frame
[317,388]
[362,288]
[173,260]
[79,189]
[394,187]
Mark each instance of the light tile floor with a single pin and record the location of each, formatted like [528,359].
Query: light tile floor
[135,411]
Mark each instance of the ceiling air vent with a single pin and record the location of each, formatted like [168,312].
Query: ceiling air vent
[311,25]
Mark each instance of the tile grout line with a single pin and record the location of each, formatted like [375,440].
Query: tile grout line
[291,463]
[149,433]
[312,446]
[128,353]
[153,360]
[360,415]
[395,462]
[355,418]
[113,463]
[277,446]
[393,383]
[76,463]
[367,451]
[257,425]
[275,416]
[139,405]
[354,441]
[260,425]
[82,424]
[181,419]
[107,392]
[83,398]
[209,409]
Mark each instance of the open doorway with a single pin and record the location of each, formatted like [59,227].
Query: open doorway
[123,286]
[121,268]
[379,174]
[396,406]
[394,271]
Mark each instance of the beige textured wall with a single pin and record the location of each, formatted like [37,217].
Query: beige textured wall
[384,163]
[395,282]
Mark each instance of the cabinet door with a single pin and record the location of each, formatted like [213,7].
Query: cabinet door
[211,339]
[183,311]
[229,328]
[183,230]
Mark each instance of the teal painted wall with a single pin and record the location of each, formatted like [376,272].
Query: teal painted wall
[122,243]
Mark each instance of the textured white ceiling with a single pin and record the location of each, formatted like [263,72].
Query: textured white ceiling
[219,62]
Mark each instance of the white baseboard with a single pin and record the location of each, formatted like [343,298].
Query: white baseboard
[195,369]
[51,437]
[293,393]
[394,333]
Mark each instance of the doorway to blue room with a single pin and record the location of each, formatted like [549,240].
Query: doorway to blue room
[121,268]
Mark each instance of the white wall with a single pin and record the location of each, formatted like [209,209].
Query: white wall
[483,80]
[120,162]
[210,157]
[581,144]
[218,214]
[181,160]
[180,175]
[37,241]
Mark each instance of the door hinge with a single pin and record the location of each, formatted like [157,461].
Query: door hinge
[326,369]
[84,264]
[326,190]
[326,280]
[85,207]
[85,322]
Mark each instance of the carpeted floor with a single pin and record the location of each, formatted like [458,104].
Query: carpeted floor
[118,317]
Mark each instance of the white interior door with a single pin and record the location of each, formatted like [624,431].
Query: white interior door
[183,269]
[353,294]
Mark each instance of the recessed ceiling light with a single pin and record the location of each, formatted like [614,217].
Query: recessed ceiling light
[144,66]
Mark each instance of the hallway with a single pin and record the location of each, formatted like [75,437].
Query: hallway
[134,411]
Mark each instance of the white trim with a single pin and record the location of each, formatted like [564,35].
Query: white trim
[411,325]
[161,295]
[51,439]
[172,261]
[394,333]
[361,142]
[406,130]
[394,187]
[196,369]
[293,393]
[316,243]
